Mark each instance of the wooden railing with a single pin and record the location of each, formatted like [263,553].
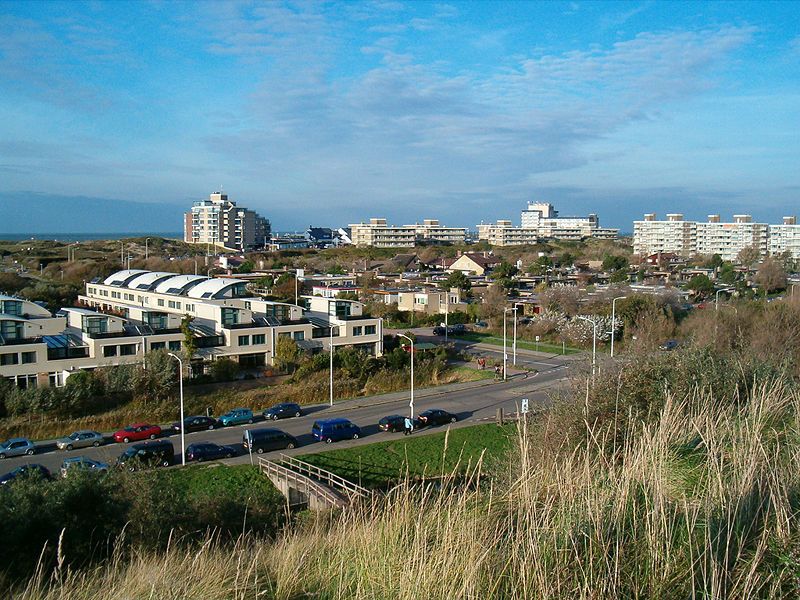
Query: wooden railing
[302,483]
[326,477]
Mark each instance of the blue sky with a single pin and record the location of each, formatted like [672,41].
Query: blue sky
[329,113]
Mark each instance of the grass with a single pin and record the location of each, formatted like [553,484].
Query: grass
[214,479]
[488,338]
[434,455]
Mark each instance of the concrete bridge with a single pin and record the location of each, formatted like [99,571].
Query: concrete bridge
[304,484]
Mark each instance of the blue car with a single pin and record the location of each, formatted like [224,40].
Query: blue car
[334,430]
[32,470]
[237,416]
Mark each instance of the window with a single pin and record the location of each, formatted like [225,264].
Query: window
[369,330]
[259,338]
[28,358]
[11,307]
[174,304]
[158,345]
[299,336]
[175,345]
[56,379]
[190,308]
[9,359]
[230,316]
[127,350]
[244,340]
[95,325]
[247,305]
[358,330]
[161,302]
[11,330]
[109,351]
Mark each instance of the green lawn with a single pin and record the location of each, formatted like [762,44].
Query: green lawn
[215,480]
[486,338]
[377,465]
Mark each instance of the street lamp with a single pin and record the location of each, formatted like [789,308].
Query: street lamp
[180,384]
[613,320]
[594,340]
[505,354]
[716,298]
[411,404]
[146,243]
[330,351]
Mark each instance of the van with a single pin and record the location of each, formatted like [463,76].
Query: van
[266,440]
[147,454]
[333,430]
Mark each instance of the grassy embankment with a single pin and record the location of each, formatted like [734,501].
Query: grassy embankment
[488,338]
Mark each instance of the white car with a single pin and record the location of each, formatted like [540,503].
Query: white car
[17,447]
[80,439]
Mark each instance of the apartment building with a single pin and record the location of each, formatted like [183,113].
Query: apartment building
[379,234]
[785,238]
[675,235]
[685,238]
[220,221]
[133,312]
[543,217]
[504,233]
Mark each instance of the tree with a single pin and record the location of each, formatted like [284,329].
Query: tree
[456,279]
[714,262]
[771,275]
[613,262]
[246,267]
[748,256]
[494,302]
[505,270]
[727,274]
[287,353]
[700,285]
[619,276]
[541,265]
[189,343]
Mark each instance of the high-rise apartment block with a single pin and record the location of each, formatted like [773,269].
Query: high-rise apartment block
[220,221]
[378,233]
[540,220]
[713,236]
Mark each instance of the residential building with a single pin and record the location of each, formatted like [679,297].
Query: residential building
[220,221]
[431,302]
[378,233]
[673,236]
[133,312]
[785,238]
[472,263]
[728,239]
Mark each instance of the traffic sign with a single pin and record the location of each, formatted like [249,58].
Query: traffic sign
[524,406]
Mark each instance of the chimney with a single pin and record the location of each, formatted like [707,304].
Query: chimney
[650,216]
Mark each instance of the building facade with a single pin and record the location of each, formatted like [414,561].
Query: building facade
[379,234]
[220,221]
[785,238]
[431,302]
[503,233]
[132,312]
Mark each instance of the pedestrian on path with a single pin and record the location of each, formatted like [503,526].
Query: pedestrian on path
[408,426]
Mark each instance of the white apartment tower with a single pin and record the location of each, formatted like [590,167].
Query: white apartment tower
[675,235]
[785,237]
[379,234]
[219,220]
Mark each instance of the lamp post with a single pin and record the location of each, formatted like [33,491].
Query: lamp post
[146,247]
[330,351]
[594,341]
[180,384]
[446,312]
[505,354]
[411,403]
[514,341]
[716,298]
[613,320]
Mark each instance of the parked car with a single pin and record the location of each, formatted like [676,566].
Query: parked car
[17,447]
[81,462]
[393,423]
[669,345]
[283,410]
[266,440]
[458,328]
[80,439]
[436,416]
[440,330]
[334,430]
[208,451]
[237,416]
[32,470]
[481,324]
[137,432]
[198,423]
[147,454]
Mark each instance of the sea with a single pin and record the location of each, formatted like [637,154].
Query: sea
[84,237]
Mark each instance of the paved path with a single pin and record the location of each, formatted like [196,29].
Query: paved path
[473,402]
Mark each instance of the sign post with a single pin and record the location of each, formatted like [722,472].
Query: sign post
[524,407]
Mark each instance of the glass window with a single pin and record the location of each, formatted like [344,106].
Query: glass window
[109,351]
[28,358]
[95,325]
[244,340]
[369,329]
[11,330]
[175,345]
[158,345]
[9,359]
[11,307]
[259,338]
[357,330]
[127,350]
[161,302]
[299,336]
[230,316]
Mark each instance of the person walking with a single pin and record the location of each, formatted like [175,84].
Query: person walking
[407,426]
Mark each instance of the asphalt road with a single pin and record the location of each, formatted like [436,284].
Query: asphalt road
[472,403]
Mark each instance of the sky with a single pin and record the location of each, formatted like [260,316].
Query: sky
[329,113]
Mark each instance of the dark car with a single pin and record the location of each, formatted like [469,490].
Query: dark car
[147,454]
[198,423]
[458,328]
[208,451]
[436,416]
[669,345]
[439,330]
[266,440]
[284,410]
[334,430]
[393,423]
[32,470]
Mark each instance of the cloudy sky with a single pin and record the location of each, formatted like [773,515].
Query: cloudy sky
[329,113]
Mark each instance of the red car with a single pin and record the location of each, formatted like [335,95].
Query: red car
[137,432]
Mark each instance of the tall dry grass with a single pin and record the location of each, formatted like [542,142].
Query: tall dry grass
[700,502]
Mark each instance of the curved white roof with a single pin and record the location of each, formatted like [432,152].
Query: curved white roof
[148,278]
[212,287]
[178,282]
[121,277]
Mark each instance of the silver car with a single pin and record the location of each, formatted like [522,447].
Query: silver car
[17,447]
[81,462]
[80,439]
